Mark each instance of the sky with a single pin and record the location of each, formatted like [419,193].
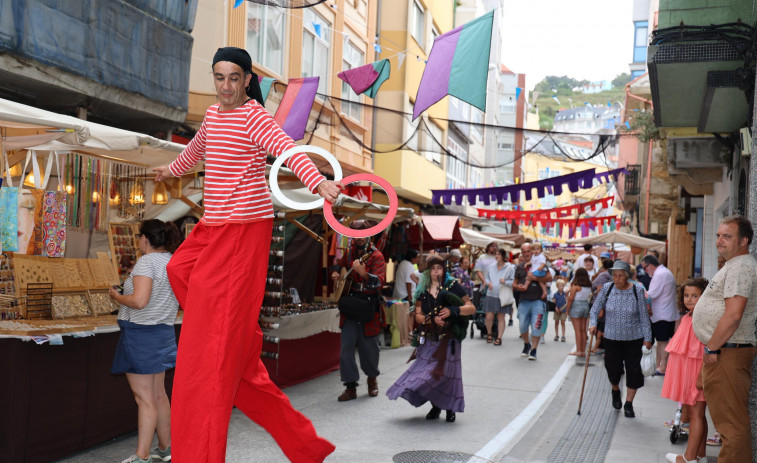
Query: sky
[583,39]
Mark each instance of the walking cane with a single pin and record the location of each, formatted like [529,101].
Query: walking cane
[586,370]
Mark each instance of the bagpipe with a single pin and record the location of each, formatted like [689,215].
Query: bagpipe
[455,325]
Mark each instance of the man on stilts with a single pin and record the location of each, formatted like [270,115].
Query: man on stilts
[218,275]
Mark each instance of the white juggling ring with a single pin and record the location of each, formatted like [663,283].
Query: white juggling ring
[273,179]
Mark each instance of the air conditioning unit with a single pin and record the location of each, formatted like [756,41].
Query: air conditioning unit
[745,141]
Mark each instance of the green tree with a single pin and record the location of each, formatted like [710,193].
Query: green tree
[562,85]
[621,80]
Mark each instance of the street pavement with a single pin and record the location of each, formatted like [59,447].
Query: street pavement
[516,411]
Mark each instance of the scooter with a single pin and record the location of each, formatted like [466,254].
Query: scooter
[676,430]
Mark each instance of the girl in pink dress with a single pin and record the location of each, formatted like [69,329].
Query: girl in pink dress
[684,363]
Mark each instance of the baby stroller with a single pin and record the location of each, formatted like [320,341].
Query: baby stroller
[479,318]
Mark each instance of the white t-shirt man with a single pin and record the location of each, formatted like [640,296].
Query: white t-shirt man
[580,262]
[483,262]
[662,290]
[401,278]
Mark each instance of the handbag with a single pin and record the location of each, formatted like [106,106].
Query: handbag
[506,296]
[357,307]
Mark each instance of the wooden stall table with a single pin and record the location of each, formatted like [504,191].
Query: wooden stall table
[308,346]
[62,399]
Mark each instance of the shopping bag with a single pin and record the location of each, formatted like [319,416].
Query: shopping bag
[648,361]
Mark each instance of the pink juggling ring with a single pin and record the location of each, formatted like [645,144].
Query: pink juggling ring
[365,233]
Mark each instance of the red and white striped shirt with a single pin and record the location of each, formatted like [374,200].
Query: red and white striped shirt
[233,145]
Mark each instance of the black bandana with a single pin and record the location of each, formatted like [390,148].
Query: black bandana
[242,59]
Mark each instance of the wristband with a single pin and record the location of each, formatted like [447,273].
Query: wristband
[708,351]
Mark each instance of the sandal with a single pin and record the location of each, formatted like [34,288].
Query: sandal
[498,342]
[489,338]
[714,440]
[578,354]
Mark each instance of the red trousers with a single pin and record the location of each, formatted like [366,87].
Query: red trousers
[218,275]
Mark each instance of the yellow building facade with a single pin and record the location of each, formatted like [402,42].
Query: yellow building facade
[407,30]
[287,43]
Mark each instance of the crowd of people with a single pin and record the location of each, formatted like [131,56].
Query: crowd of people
[704,331]
[705,328]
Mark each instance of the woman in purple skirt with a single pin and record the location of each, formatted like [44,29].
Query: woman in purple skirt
[436,374]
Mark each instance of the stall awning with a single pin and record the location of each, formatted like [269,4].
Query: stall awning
[482,240]
[621,237]
[71,134]
[439,231]
[345,205]
[442,227]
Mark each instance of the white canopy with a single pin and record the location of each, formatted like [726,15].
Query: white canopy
[623,238]
[481,240]
[66,133]
[373,211]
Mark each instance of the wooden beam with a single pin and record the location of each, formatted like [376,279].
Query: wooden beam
[192,205]
[302,227]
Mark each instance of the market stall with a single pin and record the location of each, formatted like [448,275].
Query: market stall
[303,339]
[72,193]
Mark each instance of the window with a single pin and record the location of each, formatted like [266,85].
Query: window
[419,22]
[506,105]
[456,171]
[351,58]
[476,176]
[266,35]
[635,74]
[316,41]
[640,42]
[477,118]
[434,140]
[411,127]
[434,35]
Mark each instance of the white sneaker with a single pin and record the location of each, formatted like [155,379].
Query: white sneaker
[135,459]
[161,455]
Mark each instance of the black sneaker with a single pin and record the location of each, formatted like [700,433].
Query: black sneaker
[628,410]
[616,403]
[532,355]
[526,349]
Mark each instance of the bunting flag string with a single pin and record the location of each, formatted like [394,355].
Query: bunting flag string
[611,221]
[500,194]
[584,225]
[558,212]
